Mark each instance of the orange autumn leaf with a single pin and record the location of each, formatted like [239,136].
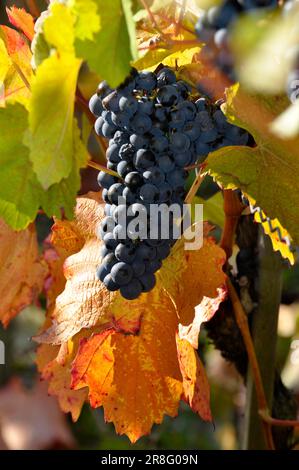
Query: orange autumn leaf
[203,313]
[22,20]
[22,272]
[136,378]
[195,383]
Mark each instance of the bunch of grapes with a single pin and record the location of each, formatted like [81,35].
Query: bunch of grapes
[213,29]
[155,129]
[292,87]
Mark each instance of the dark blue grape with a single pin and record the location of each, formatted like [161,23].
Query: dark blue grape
[105,180]
[153,266]
[145,106]
[98,126]
[95,105]
[125,253]
[127,152]
[179,142]
[128,104]
[159,144]
[120,119]
[123,168]
[141,123]
[108,130]
[121,273]
[148,282]
[168,95]
[146,253]
[109,241]
[149,193]
[110,284]
[115,192]
[154,175]
[144,159]
[139,141]
[132,290]
[165,163]
[182,159]
[102,272]
[146,81]
[138,267]
[133,180]
[165,192]
[112,153]
[165,77]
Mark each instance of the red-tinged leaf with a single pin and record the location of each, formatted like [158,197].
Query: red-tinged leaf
[203,313]
[195,383]
[22,272]
[22,20]
[136,378]
[58,375]
[20,74]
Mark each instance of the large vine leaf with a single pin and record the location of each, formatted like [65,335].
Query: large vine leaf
[87,18]
[132,376]
[22,272]
[184,280]
[51,118]
[113,47]
[21,195]
[195,383]
[268,172]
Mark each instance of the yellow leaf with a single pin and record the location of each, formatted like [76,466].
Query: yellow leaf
[59,28]
[175,57]
[195,383]
[133,377]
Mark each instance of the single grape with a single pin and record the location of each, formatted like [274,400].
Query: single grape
[105,180]
[132,290]
[146,81]
[154,175]
[110,284]
[168,95]
[128,104]
[148,282]
[125,253]
[141,123]
[149,193]
[121,273]
[144,159]
[95,105]
[123,168]
[114,192]
[165,77]
[133,180]
[179,142]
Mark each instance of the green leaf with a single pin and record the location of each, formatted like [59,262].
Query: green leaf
[59,30]
[63,195]
[4,62]
[110,52]
[268,173]
[21,195]
[51,118]
[87,18]
[127,8]
[19,189]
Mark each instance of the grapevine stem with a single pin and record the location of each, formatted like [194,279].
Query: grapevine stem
[242,323]
[99,167]
[194,188]
[181,16]
[288,423]
[264,335]
[233,209]
[21,75]
[151,16]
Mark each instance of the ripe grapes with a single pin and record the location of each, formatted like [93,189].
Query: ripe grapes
[155,130]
